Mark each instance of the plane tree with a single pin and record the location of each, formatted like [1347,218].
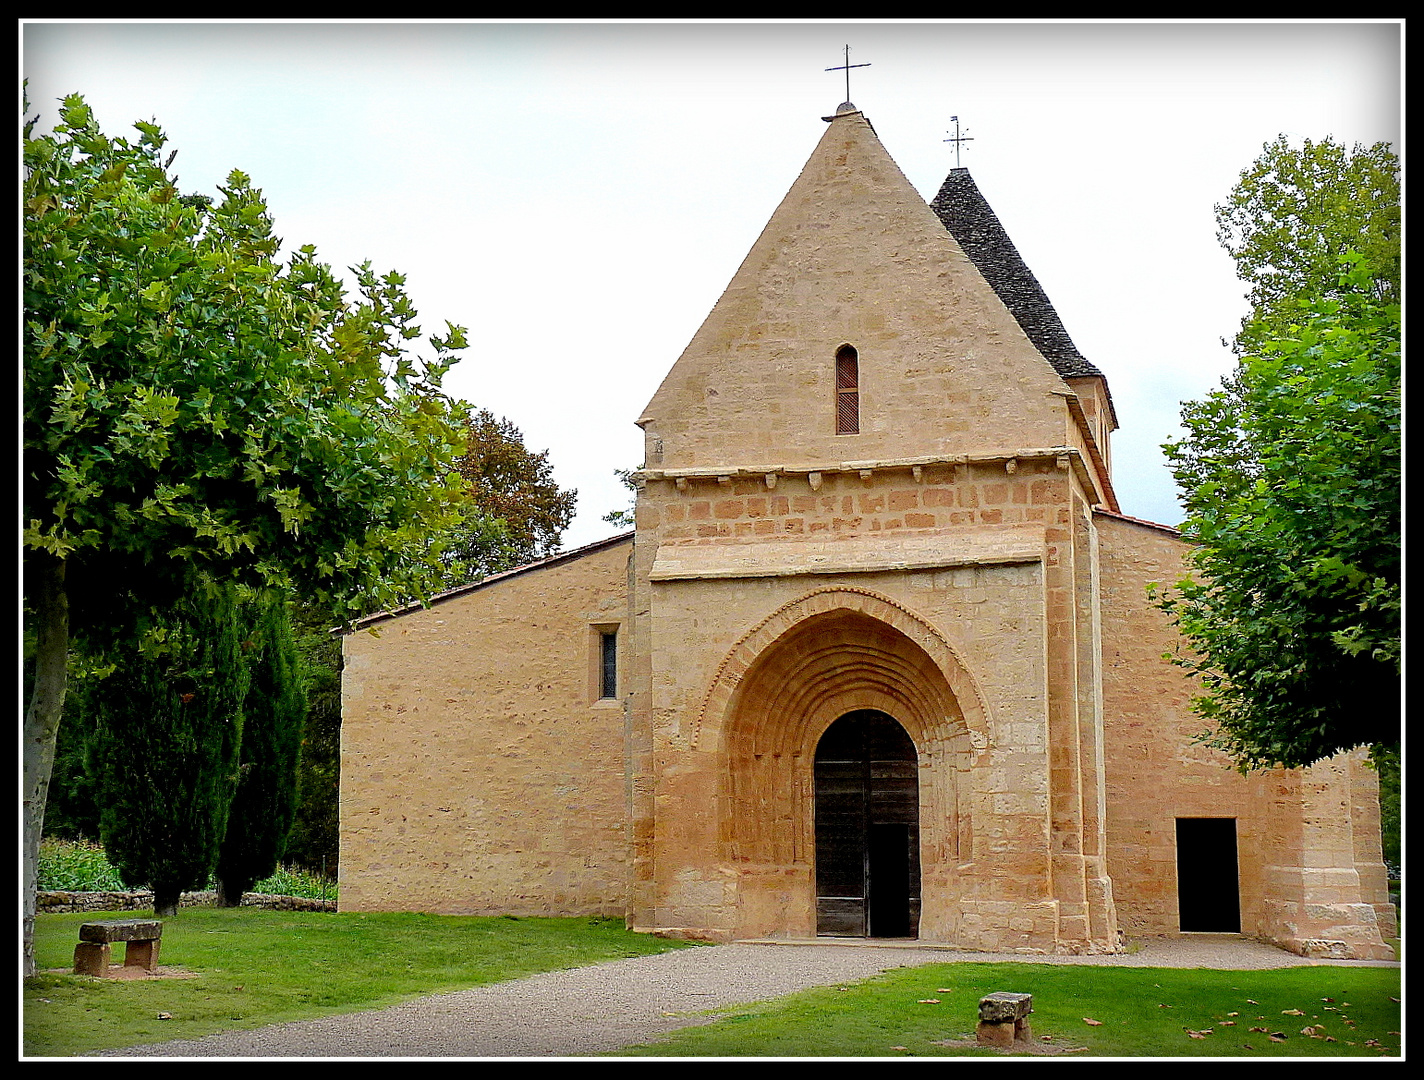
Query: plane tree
[1290,470]
[196,404]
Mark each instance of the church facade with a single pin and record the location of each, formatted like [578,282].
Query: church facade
[877,661]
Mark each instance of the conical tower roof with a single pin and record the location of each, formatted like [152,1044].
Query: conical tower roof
[976,228]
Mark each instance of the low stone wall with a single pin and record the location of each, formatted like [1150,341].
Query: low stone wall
[59,901]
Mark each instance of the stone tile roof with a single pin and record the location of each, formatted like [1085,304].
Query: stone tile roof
[973,224]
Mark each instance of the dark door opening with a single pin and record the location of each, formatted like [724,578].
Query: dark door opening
[1208,891]
[867,829]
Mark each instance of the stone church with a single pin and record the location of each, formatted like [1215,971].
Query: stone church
[878,660]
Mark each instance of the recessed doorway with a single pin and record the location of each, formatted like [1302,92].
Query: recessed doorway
[867,828]
[1208,889]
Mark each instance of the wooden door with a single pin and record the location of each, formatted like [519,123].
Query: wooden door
[867,829]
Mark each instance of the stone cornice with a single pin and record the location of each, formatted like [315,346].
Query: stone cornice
[1066,457]
[714,472]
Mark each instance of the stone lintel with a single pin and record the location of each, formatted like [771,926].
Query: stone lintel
[849,555]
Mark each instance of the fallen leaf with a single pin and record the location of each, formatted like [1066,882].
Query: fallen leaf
[1291,1012]
[1046,1038]
[1330,1038]
[1233,1014]
[1195,1035]
[1228,1023]
[1373,1042]
[1395,1000]
[1161,1006]
[928,1001]
[1262,1030]
[1247,1046]
[1277,1036]
[165,1016]
[945,990]
[1327,999]
[1090,1020]
[899,1048]
[1250,1002]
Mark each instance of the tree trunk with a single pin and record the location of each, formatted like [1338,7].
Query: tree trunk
[44,588]
[165,901]
[229,893]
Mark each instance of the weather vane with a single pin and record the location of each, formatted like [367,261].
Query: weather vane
[846,68]
[958,138]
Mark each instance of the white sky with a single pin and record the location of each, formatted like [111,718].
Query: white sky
[578,195]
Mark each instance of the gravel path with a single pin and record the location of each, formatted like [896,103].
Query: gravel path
[605,1007]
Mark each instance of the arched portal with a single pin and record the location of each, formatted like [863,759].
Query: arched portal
[833,653]
[867,828]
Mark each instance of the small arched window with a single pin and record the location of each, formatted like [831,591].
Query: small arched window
[847,391]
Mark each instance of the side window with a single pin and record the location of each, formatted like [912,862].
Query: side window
[608,664]
[847,391]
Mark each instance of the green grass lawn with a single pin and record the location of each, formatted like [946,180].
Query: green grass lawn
[254,966]
[1140,1012]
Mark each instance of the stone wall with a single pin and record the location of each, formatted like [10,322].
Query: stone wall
[1310,874]
[849,501]
[853,254]
[59,901]
[481,772]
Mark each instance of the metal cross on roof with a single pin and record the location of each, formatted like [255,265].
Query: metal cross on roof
[846,68]
[958,138]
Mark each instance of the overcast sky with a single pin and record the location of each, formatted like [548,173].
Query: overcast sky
[578,195]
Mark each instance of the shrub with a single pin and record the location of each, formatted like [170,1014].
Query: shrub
[76,866]
[80,866]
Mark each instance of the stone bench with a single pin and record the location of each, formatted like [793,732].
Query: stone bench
[1003,1019]
[140,938]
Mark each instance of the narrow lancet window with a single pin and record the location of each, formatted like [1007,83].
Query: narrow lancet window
[847,391]
[608,681]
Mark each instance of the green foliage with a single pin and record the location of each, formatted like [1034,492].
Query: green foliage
[190,401]
[517,512]
[194,405]
[166,748]
[295,881]
[262,967]
[1291,479]
[274,710]
[81,866]
[1291,216]
[313,842]
[1386,763]
[625,519]
[76,866]
[72,809]
[930,1011]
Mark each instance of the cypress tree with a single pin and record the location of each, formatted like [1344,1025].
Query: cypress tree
[274,713]
[167,744]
